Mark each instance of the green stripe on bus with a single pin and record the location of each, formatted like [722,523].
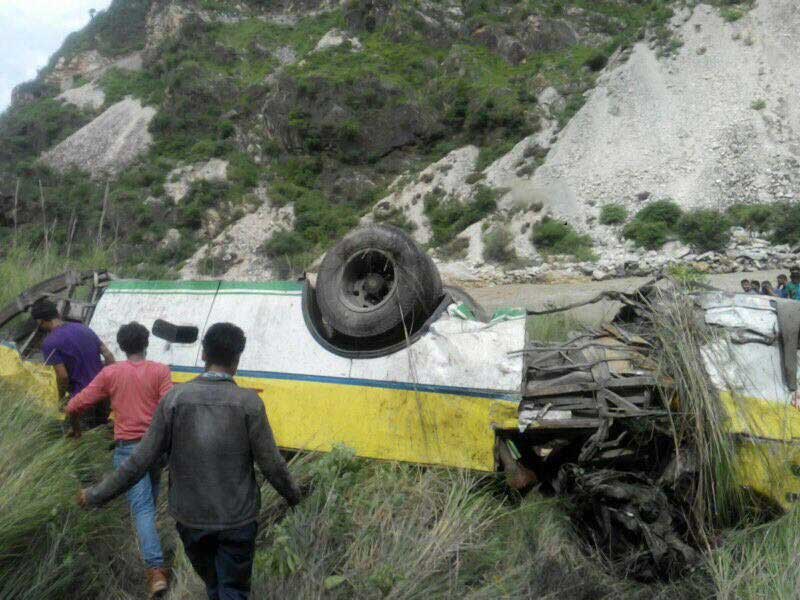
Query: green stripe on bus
[129,285]
[272,286]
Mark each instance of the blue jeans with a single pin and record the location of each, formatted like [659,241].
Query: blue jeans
[143,497]
[222,559]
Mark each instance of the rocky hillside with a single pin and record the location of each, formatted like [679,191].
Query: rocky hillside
[518,140]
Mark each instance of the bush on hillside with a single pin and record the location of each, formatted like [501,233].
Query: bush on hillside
[449,217]
[497,245]
[664,211]
[596,61]
[654,224]
[705,230]
[613,214]
[284,243]
[787,228]
[649,235]
[556,237]
[753,217]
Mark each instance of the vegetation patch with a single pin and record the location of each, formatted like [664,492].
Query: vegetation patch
[551,236]
[757,218]
[498,245]
[704,230]
[613,214]
[449,217]
[654,225]
[118,83]
[786,227]
[395,216]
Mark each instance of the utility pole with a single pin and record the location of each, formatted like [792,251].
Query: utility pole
[44,219]
[102,217]
[14,213]
[73,222]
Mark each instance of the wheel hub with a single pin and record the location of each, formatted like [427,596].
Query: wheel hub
[368,280]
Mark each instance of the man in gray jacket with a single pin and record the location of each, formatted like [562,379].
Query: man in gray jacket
[212,431]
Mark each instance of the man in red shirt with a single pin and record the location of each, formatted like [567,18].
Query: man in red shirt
[135,387]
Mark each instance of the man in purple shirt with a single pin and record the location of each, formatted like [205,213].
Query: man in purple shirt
[74,351]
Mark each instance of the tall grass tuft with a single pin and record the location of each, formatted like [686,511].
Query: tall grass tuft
[48,547]
[23,267]
[759,562]
[699,419]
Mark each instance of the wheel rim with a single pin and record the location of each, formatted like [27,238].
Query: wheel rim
[368,280]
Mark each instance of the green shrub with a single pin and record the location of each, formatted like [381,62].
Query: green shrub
[731,14]
[705,230]
[647,234]
[787,228]
[654,225]
[284,243]
[450,217]
[243,170]
[754,217]
[596,61]
[556,237]
[319,221]
[758,104]
[117,84]
[613,214]
[664,211]
[498,245]
[202,196]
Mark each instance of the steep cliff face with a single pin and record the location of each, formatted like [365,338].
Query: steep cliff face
[462,121]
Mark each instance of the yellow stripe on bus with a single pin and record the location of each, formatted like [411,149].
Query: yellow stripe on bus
[403,425]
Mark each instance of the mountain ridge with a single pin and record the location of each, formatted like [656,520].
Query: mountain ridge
[450,119]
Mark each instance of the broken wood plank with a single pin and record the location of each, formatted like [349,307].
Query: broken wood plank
[538,389]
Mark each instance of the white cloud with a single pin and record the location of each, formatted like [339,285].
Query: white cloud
[32,31]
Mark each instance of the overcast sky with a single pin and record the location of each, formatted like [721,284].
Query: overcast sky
[31,31]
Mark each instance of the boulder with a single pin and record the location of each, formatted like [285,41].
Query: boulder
[179,181]
[171,241]
[336,38]
[87,96]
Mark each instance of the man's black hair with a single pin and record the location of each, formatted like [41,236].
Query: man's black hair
[745,281]
[44,310]
[223,343]
[133,338]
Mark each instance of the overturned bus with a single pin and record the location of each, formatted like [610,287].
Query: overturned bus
[373,352]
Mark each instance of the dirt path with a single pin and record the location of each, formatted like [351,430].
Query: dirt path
[538,296]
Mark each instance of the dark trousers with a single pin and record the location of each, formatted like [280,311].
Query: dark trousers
[223,559]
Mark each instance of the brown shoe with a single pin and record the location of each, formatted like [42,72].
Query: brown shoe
[157,582]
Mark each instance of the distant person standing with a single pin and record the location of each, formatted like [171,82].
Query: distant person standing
[135,387]
[745,283]
[780,290]
[793,287]
[74,351]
